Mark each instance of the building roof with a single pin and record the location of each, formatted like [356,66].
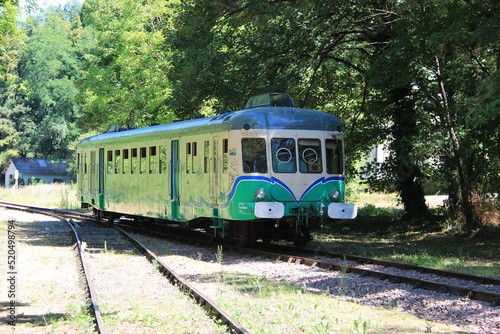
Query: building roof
[40,166]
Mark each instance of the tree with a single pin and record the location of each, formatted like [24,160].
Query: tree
[126,81]
[11,107]
[50,72]
[437,52]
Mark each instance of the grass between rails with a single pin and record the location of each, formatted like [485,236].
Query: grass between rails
[268,306]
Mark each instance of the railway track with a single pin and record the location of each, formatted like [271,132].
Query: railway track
[91,238]
[482,288]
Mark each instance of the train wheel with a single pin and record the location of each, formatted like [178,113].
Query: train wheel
[242,234]
[300,243]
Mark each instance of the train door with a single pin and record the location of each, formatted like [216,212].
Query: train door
[174,179]
[100,181]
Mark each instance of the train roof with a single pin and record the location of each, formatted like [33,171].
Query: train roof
[253,119]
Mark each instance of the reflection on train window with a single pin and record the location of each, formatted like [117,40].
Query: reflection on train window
[283,155]
[118,161]
[143,161]
[135,162]
[310,156]
[163,159]
[334,156]
[254,155]
[110,162]
[126,162]
[153,164]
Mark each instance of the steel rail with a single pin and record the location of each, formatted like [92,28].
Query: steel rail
[493,298]
[445,273]
[183,285]
[89,287]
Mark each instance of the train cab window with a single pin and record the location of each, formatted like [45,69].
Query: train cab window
[253,152]
[225,155]
[334,157]
[134,161]
[283,155]
[163,160]
[118,162]
[144,161]
[109,165]
[153,164]
[206,156]
[126,162]
[310,160]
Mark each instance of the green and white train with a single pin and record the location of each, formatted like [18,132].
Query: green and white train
[270,171]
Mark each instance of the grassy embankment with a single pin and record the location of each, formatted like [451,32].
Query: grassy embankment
[379,232]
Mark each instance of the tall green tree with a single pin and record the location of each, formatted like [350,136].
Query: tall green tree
[125,81]
[436,50]
[50,71]
[11,106]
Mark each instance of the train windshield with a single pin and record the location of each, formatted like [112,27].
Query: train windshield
[283,155]
[334,158]
[254,155]
[310,160]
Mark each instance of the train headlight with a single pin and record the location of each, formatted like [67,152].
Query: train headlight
[335,194]
[259,194]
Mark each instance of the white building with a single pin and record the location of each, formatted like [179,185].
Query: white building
[47,170]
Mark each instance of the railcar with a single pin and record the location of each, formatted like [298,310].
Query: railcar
[269,171]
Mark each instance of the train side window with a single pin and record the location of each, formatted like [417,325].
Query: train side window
[334,159]
[206,157]
[283,155]
[144,161]
[135,162]
[225,155]
[92,170]
[153,164]
[78,164]
[126,162]
[194,153]
[310,160]
[110,162]
[188,158]
[85,163]
[118,161]
[163,160]
[253,152]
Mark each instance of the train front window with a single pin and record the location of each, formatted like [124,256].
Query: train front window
[283,155]
[334,157]
[254,155]
[310,160]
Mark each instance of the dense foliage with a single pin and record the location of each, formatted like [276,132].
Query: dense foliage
[419,76]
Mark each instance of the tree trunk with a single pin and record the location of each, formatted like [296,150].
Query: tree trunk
[407,175]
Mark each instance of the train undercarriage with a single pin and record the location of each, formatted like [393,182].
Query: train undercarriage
[242,233]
